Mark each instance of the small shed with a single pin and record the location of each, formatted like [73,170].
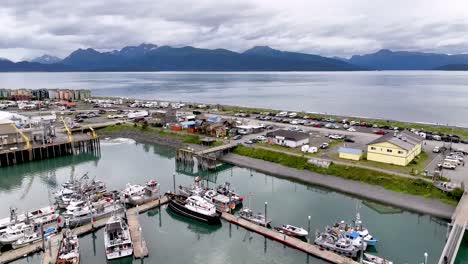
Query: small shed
[350,153]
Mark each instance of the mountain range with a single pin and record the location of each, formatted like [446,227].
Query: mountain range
[150,57]
[405,60]
[46,59]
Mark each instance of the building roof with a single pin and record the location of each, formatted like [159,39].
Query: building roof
[350,150]
[289,135]
[404,139]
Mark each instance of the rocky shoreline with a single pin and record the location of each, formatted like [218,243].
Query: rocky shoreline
[144,137]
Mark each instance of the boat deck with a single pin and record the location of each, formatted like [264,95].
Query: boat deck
[289,241]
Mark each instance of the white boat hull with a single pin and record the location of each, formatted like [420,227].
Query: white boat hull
[120,254]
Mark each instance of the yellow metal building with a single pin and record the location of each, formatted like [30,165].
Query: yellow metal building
[350,153]
[399,148]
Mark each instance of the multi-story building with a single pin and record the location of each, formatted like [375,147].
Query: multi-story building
[21,94]
[4,93]
[64,95]
[40,94]
[53,94]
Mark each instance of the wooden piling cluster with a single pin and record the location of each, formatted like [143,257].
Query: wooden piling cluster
[206,159]
[47,151]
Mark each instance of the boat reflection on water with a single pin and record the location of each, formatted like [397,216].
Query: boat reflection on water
[13,176]
[193,225]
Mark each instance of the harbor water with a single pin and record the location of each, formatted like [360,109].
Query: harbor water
[399,95]
[403,236]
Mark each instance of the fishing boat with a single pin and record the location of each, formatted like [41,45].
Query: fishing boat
[356,239]
[20,218]
[364,232]
[151,193]
[258,218]
[69,250]
[225,189]
[84,215]
[340,245]
[222,202]
[291,230]
[78,189]
[32,237]
[131,190]
[15,232]
[195,207]
[117,238]
[193,190]
[372,259]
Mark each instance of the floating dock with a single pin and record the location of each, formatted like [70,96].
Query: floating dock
[140,250]
[15,254]
[51,253]
[289,241]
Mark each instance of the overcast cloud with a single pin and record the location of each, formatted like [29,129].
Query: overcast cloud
[30,28]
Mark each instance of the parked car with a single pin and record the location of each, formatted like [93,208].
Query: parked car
[312,150]
[349,140]
[351,129]
[294,122]
[379,132]
[335,136]
[249,142]
[436,149]
[237,137]
[324,145]
[261,138]
[447,165]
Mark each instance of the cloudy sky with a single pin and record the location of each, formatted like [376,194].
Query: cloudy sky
[329,27]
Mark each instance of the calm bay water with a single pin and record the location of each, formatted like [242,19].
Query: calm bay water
[404,236]
[419,96]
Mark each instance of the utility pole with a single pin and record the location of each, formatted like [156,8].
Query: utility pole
[173,182]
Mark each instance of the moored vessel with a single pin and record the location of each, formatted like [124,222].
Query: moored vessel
[291,230]
[258,218]
[69,250]
[151,193]
[373,259]
[195,207]
[117,240]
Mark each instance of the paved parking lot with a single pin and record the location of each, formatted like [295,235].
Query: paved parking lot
[459,175]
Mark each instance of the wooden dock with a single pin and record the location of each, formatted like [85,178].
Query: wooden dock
[60,147]
[16,254]
[289,241]
[51,253]
[140,250]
